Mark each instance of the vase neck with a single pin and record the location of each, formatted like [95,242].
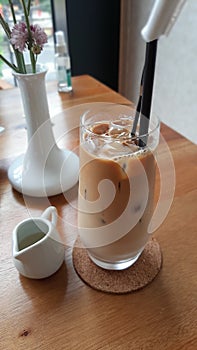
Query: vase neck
[34,99]
[35,105]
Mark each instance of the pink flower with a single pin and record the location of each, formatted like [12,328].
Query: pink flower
[38,35]
[19,36]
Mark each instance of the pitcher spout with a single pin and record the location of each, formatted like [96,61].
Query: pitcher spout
[15,248]
[17,253]
[18,256]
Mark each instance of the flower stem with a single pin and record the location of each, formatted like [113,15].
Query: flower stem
[12,66]
[12,10]
[5,26]
[32,58]
[20,61]
[19,56]
[28,7]
[33,62]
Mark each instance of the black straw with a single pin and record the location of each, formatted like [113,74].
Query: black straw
[138,108]
[148,80]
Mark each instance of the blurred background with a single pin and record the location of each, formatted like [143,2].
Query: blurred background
[104,41]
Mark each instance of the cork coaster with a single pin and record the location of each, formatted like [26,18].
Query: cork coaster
[129,280]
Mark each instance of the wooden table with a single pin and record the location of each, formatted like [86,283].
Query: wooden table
[61,312]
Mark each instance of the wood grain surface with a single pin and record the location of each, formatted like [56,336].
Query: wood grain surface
[61,312]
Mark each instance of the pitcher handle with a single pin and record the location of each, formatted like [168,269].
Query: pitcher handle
[50,212]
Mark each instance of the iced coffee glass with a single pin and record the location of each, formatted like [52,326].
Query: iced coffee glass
[116,185]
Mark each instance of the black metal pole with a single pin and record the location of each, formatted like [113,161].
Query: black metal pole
[148,81]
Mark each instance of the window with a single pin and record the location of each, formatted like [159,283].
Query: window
[43,12]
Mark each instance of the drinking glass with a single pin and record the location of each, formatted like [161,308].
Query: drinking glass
[116,184]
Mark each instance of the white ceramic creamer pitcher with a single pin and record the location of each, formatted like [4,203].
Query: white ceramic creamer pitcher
[38,251]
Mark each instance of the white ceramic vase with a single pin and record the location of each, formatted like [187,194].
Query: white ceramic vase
[45,169]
